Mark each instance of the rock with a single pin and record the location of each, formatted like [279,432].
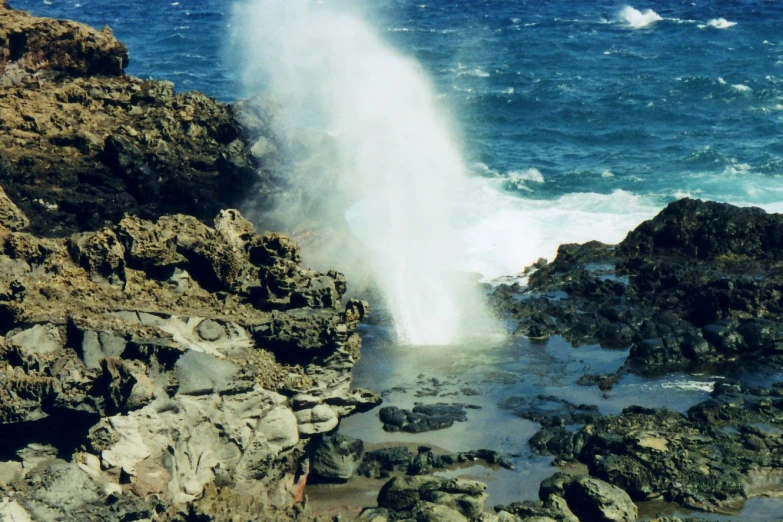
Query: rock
[696,285]
[336,457]
[141,148]
[318,419]
[11,217]
[429,512]
[172,389]
[658,453]
[549,410]
[160,358]
[423,417]
[593,499]
[404,494]
[46,48]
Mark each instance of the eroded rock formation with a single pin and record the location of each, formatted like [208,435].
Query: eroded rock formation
[81,143]
[151,360]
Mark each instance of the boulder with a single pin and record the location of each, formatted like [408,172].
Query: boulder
[335,458]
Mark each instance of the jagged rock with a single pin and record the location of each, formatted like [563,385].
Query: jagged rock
[174,389]
[336,457]
[11,217]
[430,512]
[71,119]
[589,498]
[731,438]
[696,285]
[46,48]
[423,417]
[404,494]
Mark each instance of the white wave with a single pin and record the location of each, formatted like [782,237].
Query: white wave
[482,169]
[689,385]
[736,169]
[721,81]
[478,72]
[607,174]
[638,19]
[505,233]
[533,175]
[741,88]
[720,23]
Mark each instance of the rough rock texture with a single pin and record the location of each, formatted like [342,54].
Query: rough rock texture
[33,49]
[722,452]
[423,417]
[564,498]
[81,144]
[458,498]
[153,366]
[699,284]
[335,458]
[382,462]
[590,498]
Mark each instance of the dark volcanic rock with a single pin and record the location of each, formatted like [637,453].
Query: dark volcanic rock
[549,410]
[450,499]
[723,451]
[423,417]
[699,284]
[335,458]
[380,463]
[82,144]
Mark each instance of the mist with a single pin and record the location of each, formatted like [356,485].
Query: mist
[380,160]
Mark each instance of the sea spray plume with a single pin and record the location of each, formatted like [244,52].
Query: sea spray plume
[397,160]
[637,19]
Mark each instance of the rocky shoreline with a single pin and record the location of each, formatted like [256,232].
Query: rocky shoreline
[163,360]
[156,365]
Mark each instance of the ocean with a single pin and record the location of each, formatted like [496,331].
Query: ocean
[576,120]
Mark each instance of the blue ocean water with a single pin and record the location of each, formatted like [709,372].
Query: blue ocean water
[578,119]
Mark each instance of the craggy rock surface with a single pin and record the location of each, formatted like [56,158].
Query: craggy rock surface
[81,143]
[699,284]
[720,453]
[158,367]
[381,463]
[424,417]
[564,498]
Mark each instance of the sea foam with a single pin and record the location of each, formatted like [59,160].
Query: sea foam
[717,23]
[638,19]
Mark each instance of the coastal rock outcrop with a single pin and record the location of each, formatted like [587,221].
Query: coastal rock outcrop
[150,361]
[718,454]
[699,284]
[82,144]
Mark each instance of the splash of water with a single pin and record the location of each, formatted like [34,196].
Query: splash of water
[638,19]
[397,160]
